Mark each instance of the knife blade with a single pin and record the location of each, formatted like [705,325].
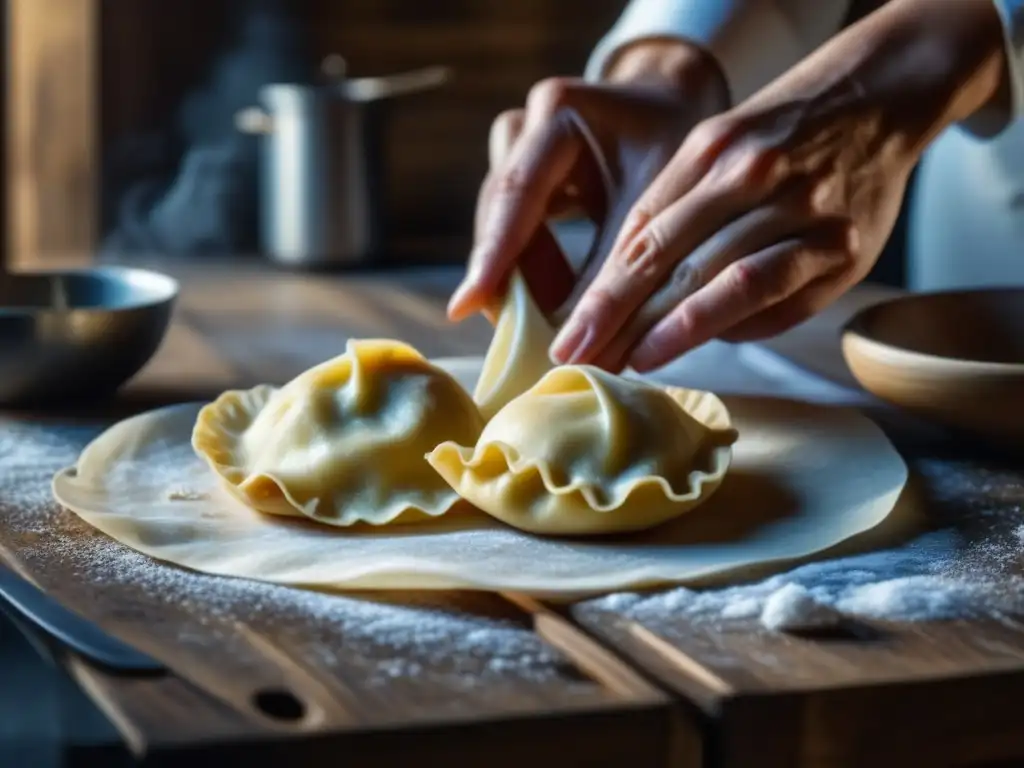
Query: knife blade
[71,631]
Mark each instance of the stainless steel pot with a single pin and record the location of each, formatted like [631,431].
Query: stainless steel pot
[321,181]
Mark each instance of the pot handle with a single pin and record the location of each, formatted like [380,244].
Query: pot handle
[254,120]
[378,88]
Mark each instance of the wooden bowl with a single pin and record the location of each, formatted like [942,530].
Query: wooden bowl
[955,358]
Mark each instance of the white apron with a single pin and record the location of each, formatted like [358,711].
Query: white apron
[966,218]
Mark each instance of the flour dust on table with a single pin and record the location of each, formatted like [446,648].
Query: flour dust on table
[973,567]
[462,650]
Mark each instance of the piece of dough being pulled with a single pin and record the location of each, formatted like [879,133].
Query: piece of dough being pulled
[518,355]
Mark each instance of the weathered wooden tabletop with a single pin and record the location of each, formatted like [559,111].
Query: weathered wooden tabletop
[275,675]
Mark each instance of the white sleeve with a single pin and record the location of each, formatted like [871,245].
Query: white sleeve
[753,41]
[987,123]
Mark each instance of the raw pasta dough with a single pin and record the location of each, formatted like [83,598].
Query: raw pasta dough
[584,452]
[343,442]
[518,354]
[803,479]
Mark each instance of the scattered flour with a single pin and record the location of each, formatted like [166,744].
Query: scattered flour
[971,567]
[403,640]
[187,494]
[929,579]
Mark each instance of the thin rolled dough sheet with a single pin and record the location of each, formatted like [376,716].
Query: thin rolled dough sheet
[804,478]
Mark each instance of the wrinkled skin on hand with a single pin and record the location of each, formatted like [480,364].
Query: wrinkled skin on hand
[762,218]
[543,166]
[770,211]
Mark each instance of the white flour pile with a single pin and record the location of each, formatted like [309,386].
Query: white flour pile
[794,608]
[973,567]
[384,641]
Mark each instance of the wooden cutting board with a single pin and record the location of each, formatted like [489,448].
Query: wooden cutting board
[260,670]
[279,676]
[271,674]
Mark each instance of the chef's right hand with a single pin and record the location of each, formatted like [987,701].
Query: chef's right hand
[542,166]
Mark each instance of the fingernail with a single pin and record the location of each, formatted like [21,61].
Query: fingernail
[464,301]
[458,307]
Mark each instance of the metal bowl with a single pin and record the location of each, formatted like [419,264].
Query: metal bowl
[78,334]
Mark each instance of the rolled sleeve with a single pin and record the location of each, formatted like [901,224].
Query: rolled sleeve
[753,41]
[990,122]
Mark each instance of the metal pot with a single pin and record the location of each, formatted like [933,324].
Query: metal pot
[322,165]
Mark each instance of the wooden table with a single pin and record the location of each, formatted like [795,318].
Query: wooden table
[606,689]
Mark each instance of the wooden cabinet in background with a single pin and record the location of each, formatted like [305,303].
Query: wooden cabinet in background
[87,73]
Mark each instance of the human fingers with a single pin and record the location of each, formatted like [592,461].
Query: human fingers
[753,232]
[714,177]
[547,271]
[802,306]
[543,264]
[684,206]
[744,289]
[505,130]
[581,193]
[516,208]
[519,195]
[645,164]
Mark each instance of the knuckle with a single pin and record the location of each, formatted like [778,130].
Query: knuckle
[756,285]
[710,134]
[633,227]
[504,131]
[644,254]
[603,300]
[512,182]
[849,242]
[509,118]
[687,277]
[549,95]
[826,196]
[846,260]
[683,323]
[751,166]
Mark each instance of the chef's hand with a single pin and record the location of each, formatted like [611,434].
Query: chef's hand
[771,210]
[542,167]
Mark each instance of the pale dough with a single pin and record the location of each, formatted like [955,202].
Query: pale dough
[803,479]
[517,357]
[586,452]
[342,443]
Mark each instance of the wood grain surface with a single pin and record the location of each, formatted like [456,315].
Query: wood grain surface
[265,678]
[614,690]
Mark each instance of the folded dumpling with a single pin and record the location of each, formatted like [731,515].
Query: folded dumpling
[518,354]
[343,442]
[584,451]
